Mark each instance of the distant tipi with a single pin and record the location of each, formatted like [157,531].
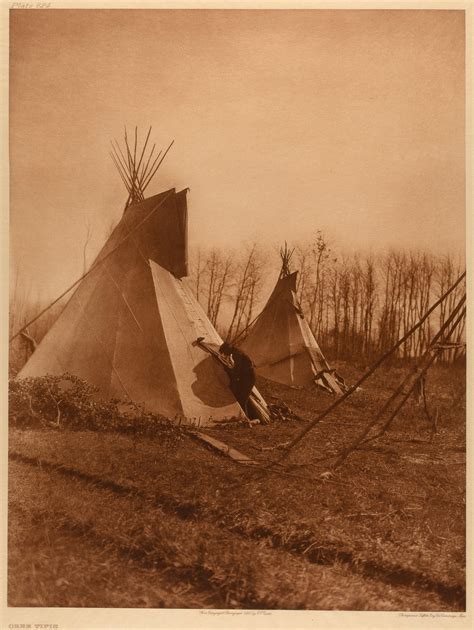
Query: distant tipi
[281,344]
[131,326]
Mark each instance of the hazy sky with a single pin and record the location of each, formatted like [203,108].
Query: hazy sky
[284,122]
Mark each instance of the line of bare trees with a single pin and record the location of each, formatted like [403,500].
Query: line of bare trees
[357,304]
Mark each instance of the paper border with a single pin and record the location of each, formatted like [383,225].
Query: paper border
[89,618]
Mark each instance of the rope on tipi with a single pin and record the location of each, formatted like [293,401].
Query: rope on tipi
[92,268]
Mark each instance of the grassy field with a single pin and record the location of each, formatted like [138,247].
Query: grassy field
[99,518]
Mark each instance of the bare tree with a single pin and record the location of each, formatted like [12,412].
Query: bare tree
[390,316]
[196,271]
[368,303]
[219,272]
[302,257]
[320,255]
[247,280]
[446,271]
[356,303]
[335,298]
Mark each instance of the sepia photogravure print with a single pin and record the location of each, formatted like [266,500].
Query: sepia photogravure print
[237,337]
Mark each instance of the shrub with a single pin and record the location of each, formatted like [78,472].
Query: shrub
[67,402]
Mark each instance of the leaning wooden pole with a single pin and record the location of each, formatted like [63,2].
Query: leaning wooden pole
[137,165]
[145,166]
[421,375]
[141,156]
[369,372]
[94,266]
[146,169]
[428,362]
[152,174]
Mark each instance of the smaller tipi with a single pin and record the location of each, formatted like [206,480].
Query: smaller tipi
[281,344]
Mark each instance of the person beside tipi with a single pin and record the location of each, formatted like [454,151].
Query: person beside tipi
[131,325]
[241,374]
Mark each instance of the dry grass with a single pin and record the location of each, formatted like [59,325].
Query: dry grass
[385,532]
[231,570]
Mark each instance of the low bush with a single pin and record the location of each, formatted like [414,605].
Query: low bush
[67,402]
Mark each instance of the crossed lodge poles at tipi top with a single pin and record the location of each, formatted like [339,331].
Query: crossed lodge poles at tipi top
[134,330]
[131,326]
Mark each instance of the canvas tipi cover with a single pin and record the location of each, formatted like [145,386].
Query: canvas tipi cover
[282,346]
[130,327]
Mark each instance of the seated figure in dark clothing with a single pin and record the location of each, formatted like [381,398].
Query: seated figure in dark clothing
[242,375]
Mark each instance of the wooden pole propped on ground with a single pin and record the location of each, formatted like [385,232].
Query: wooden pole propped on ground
[368,373]
[418,373]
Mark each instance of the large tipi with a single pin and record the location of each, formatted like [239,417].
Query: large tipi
[281,344]
[132,325]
